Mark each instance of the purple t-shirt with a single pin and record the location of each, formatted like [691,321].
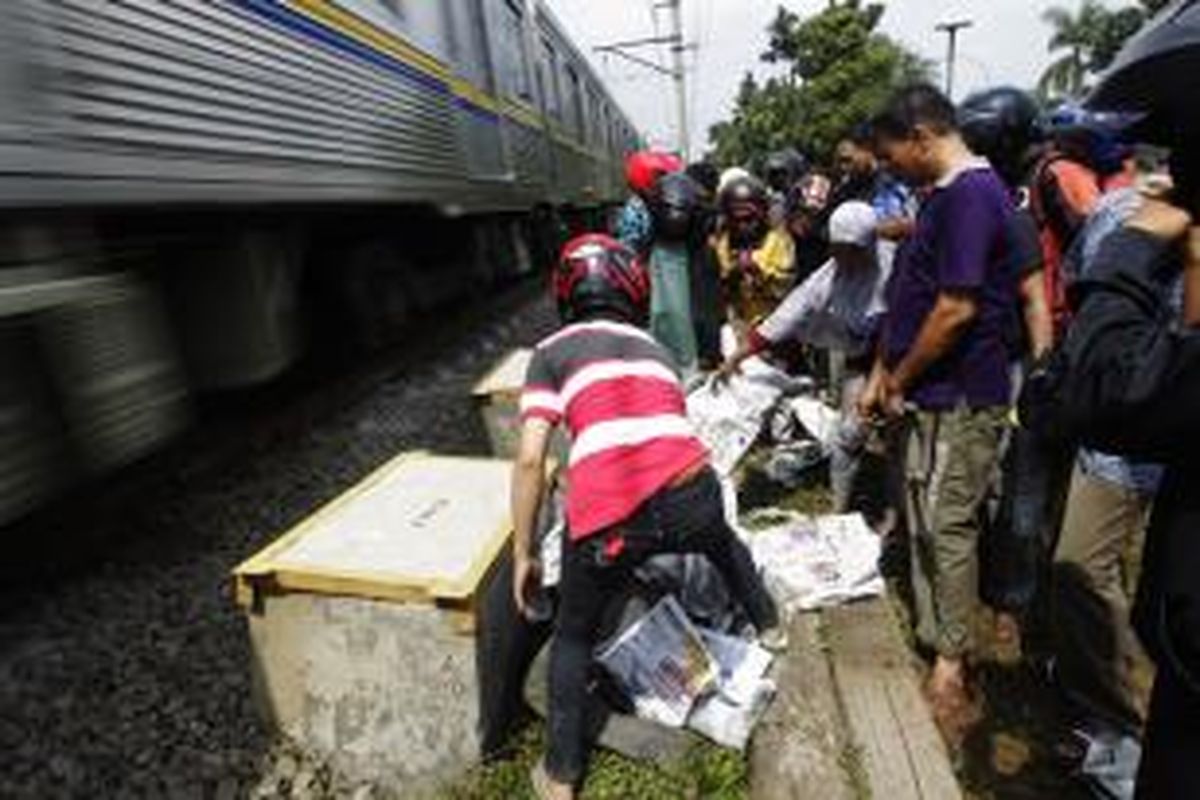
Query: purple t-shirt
[961,243]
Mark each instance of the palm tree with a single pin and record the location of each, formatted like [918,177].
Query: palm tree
[1078,34]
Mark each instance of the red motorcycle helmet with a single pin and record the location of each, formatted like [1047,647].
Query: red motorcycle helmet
[597,275]
[645,167]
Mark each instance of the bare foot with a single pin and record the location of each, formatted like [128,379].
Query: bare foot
[546,788]
[1007,637]
[954,710]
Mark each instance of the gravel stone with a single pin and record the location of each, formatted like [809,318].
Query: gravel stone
[129,675]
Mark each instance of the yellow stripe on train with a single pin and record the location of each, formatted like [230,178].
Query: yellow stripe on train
[370,35]
[364,32]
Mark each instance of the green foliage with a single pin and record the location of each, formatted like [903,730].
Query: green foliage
[1089,41]
[708,771]
[839,69]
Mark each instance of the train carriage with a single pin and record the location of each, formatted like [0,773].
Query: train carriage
[216,157]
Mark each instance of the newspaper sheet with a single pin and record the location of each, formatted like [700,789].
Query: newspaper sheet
[661,663]
[728,416]
[814,563]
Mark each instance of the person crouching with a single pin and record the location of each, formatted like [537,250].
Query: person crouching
[639,481]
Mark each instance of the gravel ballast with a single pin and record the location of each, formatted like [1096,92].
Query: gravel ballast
[131,677]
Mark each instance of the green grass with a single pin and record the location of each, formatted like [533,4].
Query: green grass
[708,772]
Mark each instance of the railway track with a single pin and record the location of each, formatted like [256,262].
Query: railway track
[124,665]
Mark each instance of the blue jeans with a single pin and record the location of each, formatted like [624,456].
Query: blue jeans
[688,518]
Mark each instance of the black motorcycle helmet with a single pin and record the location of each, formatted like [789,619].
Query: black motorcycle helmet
[745,208]
[674,202]
[1157,74]
[783,168]
[1001,125]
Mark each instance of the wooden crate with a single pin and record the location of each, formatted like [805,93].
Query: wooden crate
[498,397]
[381,624]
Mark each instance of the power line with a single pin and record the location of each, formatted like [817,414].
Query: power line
[677,71]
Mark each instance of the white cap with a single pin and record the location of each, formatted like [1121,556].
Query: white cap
[853,223]
[729,176]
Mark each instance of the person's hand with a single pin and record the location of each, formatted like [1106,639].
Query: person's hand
[745,260]
[527,578]
[729,367]
[870,399]
[895,229]
[1161,220]
[892,400]
[754,277]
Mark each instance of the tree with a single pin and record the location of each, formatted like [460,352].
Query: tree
[1091,39]
[1077,34]
[839,70]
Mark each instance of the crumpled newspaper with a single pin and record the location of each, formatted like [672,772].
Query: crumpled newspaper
[815,562]
[728,716]
[661,663]
[675,673]
[730,415]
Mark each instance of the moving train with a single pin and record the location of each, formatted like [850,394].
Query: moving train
[194,192]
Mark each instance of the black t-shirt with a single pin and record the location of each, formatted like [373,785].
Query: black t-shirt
[1026,258]
[1025,245]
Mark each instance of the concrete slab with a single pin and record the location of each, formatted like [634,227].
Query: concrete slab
[380,628]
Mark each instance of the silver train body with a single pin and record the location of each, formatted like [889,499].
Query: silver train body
[176,174]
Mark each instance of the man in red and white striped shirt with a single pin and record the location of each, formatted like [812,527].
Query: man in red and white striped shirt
[620,397]
[639,481]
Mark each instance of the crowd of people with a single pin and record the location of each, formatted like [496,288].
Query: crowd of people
[1002,299]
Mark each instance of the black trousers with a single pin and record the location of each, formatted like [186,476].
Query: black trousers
[1170,768]
[688,518]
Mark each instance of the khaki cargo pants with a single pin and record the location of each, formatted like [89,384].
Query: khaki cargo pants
[949,461]
[1098,656]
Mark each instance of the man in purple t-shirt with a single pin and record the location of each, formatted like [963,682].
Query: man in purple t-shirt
[942,368]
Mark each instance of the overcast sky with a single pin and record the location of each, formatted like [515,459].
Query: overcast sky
[1006,45]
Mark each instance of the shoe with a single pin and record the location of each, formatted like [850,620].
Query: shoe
[1110,763]
[774,639]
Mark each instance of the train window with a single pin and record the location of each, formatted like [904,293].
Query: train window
[396,7]
[470,45]
[593,116]
[552,88]
[513,70]
[575,99]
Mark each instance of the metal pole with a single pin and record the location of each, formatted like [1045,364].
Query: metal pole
[680,76]
[951,30]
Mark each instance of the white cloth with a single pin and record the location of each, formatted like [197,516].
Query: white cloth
[833,308]
[853,223]
[729,176]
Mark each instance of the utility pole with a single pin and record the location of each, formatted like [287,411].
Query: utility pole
[677,73]
[951,30]
[680,75]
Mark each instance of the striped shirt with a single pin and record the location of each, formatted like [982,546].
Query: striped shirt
[616,389]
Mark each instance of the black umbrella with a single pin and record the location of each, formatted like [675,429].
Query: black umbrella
[1158,73]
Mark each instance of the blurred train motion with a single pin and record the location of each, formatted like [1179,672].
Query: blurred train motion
[196,191]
